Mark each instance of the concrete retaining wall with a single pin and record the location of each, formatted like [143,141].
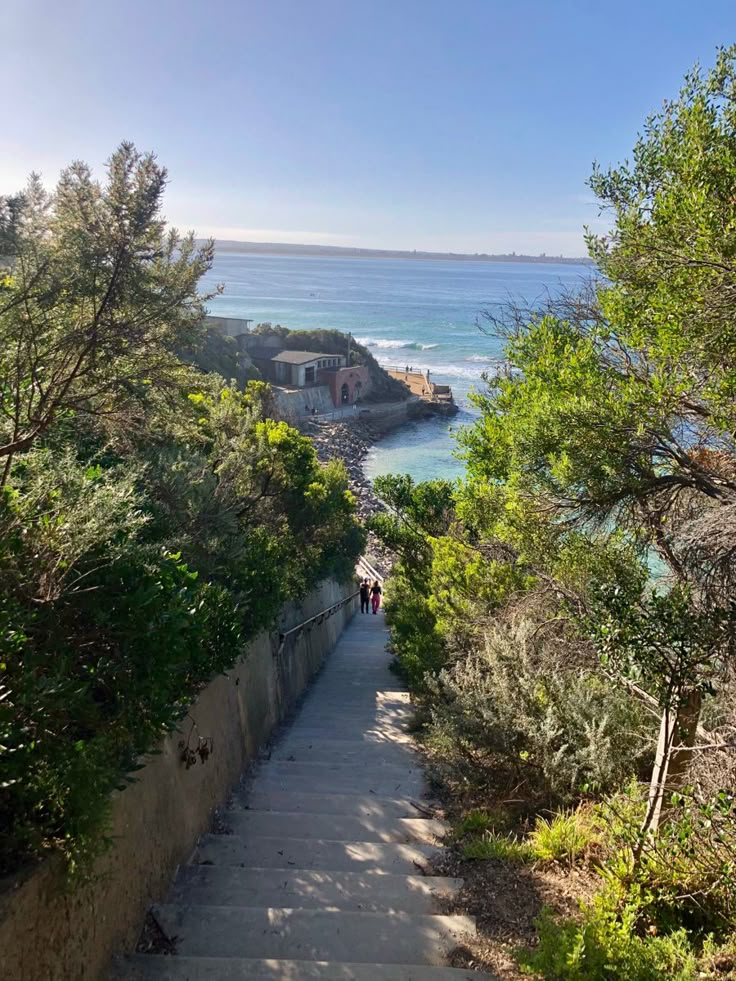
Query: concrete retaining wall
[48,933]
[293,405]
[232,326]
[385,416]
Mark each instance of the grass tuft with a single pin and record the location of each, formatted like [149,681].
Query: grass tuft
[565,838]
[496,846]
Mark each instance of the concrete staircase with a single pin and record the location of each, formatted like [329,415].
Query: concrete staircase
[323,872]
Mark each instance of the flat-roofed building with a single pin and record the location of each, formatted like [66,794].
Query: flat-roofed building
[307,369]
[294,369]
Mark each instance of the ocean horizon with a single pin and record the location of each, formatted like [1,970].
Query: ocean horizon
[423,313]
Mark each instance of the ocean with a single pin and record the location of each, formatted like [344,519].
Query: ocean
[423,313]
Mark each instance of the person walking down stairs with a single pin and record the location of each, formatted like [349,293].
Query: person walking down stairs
[375,596]
[365,595]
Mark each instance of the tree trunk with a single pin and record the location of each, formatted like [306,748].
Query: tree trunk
[677,734]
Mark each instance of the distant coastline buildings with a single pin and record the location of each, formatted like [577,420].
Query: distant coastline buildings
[325,251]
[325,380]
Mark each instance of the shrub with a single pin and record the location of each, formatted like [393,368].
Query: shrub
[124,587]
[147,529]
[415,641]
[564,732]
[686,873]
[605,945]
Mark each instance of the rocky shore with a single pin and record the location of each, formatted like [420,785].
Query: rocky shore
[350,441]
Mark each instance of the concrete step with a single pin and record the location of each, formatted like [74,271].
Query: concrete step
[307,853]
[355,805]
[150,967]
[213,885]
[326,751]
[332,827]
[371,736]
[313,935]
[384,779]
[320,769]
[357,706]
[410,786]
[338,723]
[358,699]
[398,735]
[353,722]
[338,771]
[336,691]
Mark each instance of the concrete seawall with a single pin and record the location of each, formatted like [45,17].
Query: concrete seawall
[49,933]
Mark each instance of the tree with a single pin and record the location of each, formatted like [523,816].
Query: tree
[619,413]
[99,296]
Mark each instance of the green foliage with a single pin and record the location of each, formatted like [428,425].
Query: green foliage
[499,847]
[216,352]
[667,914]
[565,837]
[606,945]
[685,875]
[592,545]
[100,295]
[152,519]
[564,732]
[663,640]
[415,639]
[479,819]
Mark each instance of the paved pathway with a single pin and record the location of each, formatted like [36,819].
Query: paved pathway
[323,871]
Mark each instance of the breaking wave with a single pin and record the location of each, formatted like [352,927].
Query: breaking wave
[394,345]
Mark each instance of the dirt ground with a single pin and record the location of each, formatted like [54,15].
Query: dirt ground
[505,898]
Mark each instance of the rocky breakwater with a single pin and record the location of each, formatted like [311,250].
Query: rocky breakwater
[350,441]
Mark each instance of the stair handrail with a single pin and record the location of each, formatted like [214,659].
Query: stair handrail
[373,573]
[285,634]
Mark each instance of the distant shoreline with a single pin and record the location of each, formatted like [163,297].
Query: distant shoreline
[338,251]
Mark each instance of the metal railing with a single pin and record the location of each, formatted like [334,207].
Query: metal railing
[365,568]
[295,632]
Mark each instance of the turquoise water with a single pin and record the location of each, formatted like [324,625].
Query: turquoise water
[424,313]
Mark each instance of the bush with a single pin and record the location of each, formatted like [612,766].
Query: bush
[125,586]
[415,640]
[151,518]
[564,732]
[605,945]
[479,820]
[686,873]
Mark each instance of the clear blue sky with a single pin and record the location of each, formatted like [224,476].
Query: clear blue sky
[433,124]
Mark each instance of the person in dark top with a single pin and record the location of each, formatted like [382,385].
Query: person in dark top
[375,596]
[365,595]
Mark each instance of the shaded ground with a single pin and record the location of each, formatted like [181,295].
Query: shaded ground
[505,898]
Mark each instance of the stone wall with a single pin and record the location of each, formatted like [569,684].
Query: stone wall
[49,933]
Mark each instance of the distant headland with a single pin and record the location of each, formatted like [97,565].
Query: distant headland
[338,251]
